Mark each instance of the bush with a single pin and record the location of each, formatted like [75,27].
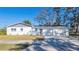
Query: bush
[73,34]
[2,32]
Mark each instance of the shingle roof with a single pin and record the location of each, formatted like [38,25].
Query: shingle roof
[19,25]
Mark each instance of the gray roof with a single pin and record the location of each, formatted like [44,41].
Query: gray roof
[19,25]
[40,27]
[51,27]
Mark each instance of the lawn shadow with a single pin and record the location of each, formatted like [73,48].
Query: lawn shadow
[21,46]
[38,48]
[36,45]
[59,45]
[62,46]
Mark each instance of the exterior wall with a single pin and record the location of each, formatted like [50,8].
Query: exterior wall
[32,31]
[52,32]
[48,32]
[44,32]
[60,32]
[35,32]
[26,31]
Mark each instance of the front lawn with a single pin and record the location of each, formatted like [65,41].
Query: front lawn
[5,38]
[22,37]
[6,47]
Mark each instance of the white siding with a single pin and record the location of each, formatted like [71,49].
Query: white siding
[52,32]
[26,31]
[60,32]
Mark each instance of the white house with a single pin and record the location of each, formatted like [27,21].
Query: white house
[50,30]
[19,29]
[22,29]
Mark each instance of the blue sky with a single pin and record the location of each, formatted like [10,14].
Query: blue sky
[11,15]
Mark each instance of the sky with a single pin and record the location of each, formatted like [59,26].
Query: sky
[13,15]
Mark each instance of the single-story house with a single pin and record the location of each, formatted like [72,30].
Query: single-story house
[50,30]
[19,29]
[26,29]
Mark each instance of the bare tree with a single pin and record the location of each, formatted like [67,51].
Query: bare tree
[76,23]
[48,16]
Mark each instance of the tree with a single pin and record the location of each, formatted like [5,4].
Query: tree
[68,16]
[57,22]
[57,16]
[26,22]
[48,16]
[76,23]
[3,31]
[43,17]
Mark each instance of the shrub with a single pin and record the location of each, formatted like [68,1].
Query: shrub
[2,32]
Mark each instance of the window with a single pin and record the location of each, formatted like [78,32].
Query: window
[13,29]
[21,29]
[35,29]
